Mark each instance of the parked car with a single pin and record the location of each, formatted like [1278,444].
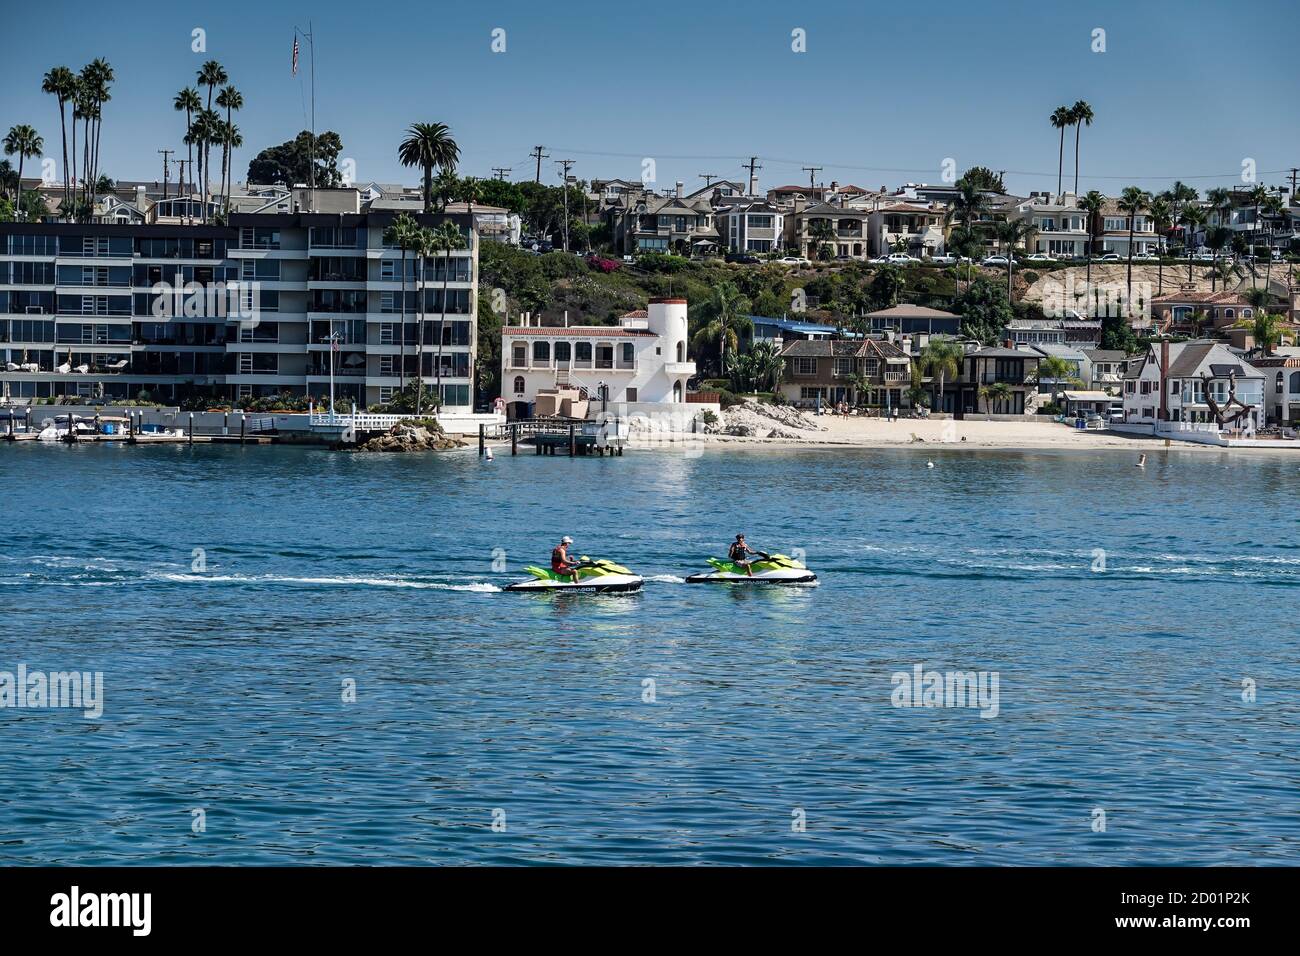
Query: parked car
[744,258]
[902,259]
[1041,257]
[1146,257]
[994,261]
[1108,257]
[943,260]
[794,261]
[880,260]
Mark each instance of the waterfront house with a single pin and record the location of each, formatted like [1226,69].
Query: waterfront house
[994,365]
[1078,361]
[750,226]
[1043,331]
[638,365]
[828,228]
[1114,232]
[1171,381]
[1062,228]
[1281,386]
[1108,368]
[780,331]
[908,227]
[643,222]
[871,371]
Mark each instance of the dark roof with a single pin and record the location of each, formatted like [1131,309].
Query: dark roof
[821,348]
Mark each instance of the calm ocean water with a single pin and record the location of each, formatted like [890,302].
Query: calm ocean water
[1119,690]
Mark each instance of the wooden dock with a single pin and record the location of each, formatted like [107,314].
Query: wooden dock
[551,436]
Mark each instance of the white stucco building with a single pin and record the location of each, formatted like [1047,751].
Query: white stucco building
[636,367]
[1172,382]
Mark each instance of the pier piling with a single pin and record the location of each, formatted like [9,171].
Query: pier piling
[514,439]
[243,421]
[191,428]
[573,442]
[482,438]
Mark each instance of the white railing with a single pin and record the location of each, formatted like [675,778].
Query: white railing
[363,420]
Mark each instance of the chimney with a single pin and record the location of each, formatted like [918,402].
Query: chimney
[1164,388]
[566,318]
[1008,344]
[678,191]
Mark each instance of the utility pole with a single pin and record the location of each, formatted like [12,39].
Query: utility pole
[812,171]
[566,163]
[708,178]
[165,154]
[539,155]
[752,165]
[1294,171]
[499,172]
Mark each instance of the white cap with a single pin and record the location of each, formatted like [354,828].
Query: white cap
[566,540]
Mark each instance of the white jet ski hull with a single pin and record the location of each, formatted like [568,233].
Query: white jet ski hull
[774,576]
[605,583]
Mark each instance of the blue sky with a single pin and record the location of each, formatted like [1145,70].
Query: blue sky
[883,95]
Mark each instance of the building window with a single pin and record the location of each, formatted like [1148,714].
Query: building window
[563,352]
[519,355]
[541,353]
[519,385]
[631,394]
[805,366]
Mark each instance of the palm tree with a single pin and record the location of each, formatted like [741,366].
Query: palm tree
[445,239]
[1012,233]
[1265,331]
[61,83]
[941,357]
[1217,238]
[968,202]
[428,145]
[1093,203]
[24,141]
[402,232]
[1257,196]
[229,99]
[471,191]
[96,78]
[821,232]
[188,100]
[995,392]
[1057,369]
[887,285]
[1061,117]
[211,74]
[1273,206]
[1219,200]
[727,308]
[1131,202]
[446,188]
[1163,219]
[1081,115]
[232,140]
[1192,218]
[207,127]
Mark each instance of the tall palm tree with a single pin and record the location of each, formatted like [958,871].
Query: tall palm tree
[428,145]
[1217,239]
[1192,218]
[1061,117]
[1265,331]
[1257,196]
[402,232]
[211,74]
[1274,206]
[61,83]
[1058,370]
[446,239]
[942,357]
[1131,202]
[1081,115]
[1163,219]
[229,99]
[207,130]
[25,142]
[188,100]
[821,233]
[1092,204]
[471,192]
[232,139]
[1219,200]
[96,78]
[422,246]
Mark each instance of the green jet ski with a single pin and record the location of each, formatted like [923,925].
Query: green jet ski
[768,569]
[594,574]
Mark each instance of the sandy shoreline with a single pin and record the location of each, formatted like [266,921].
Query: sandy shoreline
[966,434]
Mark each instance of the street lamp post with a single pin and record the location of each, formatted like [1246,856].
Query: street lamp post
[334,339]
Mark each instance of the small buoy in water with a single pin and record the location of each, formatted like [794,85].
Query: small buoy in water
[1142,461]
[489,454]
[929,464]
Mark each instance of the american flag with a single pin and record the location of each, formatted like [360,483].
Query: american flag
[295,54]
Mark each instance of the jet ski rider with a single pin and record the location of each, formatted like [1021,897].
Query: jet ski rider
[561,566]
[737,553]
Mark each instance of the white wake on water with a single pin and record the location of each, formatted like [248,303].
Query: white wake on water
[481,587]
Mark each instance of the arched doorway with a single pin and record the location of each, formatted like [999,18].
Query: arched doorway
[677,392]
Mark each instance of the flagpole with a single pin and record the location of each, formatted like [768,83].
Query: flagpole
[311,148]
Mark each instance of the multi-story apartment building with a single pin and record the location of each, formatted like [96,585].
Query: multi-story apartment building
[251,309]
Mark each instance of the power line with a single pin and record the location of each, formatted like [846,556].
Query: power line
[499,172]
[827,164]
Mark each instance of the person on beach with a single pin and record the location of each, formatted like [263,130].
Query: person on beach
[738,553]
[560,563]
